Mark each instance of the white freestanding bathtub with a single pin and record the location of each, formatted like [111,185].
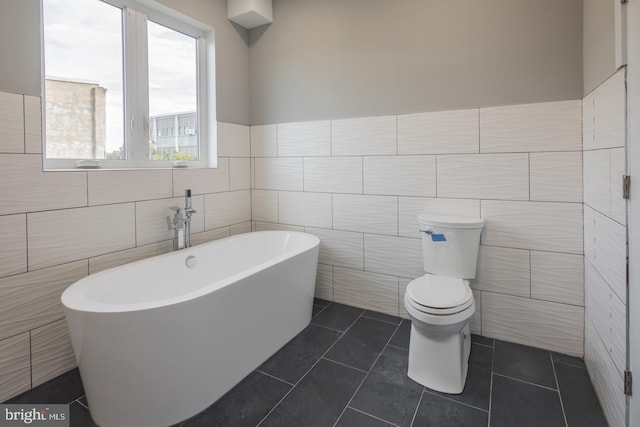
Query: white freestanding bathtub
[157,341]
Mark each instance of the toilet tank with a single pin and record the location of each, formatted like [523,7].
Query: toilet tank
[450,245]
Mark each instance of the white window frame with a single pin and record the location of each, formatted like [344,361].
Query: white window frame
[135,14]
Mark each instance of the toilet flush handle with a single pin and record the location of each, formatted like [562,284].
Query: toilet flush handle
[428,231]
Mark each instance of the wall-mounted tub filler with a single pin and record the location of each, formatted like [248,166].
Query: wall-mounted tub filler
[181,222]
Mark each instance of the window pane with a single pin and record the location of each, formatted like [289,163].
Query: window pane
[83,80]
[173,101]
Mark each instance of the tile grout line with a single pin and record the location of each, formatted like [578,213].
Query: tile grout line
[415,413]
[493,358]
[309,370]
[555,377]
[525,382]
[367,375]
[433,393]
[80,403]
[372,416]
[274,377]
[343,364]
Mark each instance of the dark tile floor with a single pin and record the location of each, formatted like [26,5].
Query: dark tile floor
[348,368]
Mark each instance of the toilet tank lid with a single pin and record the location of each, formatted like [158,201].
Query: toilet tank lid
[450,221]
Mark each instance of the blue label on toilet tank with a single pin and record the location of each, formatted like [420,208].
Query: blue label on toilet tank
[438,238]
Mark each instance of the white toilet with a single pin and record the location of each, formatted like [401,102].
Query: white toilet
[440,303]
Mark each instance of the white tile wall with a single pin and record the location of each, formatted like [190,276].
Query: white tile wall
[239,174]
[557,277]
[241,228]
[605,377]
[32,124]
[13,250]
[324,282]
[233,140]
[618,169]
[484,176]
[527,183]
[15,366]
[340,248]
[222,209]
[11,123]
[304,139]
[556,177]
[264,141]
[542,324]
[587,122]
[25,188]
[279,174]
[32,299]
[151,219]
[503,270]
[333,174]
[475,323]
[547,126]
[367,214]
[610,253]
[411,207]
[264,205]
[51,352]
[207,236]
[402,290]
[202,181]
[400,175]
[597,175]
[397,256]
[56,237]
[115,259]
[305,209]
[267,226]
[604,129]
[442,132]
[108,187]
[371,136]
[366,290]
[545,226]
[609,112]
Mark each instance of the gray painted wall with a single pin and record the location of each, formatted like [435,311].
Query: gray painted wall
[335,58]
[20,67]
[20,47]
[599,61]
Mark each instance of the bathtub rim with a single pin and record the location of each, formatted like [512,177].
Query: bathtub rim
[74,298]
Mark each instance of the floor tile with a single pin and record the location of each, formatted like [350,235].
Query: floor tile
[436,411]
[79,416]
[477,389]
[402,335]
[479,339]
[523,363]
[387,392]
[515,403]
[568,360]
[352,418]
[382,316]
[319,399]
[338,316]
[62,389]
[293,360]
[581,405]
[244,405]
[317,309]
[361,345]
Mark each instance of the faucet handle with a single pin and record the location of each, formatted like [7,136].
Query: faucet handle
[175,208]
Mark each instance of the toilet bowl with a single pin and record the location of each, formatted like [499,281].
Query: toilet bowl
[440,303]
[440,308]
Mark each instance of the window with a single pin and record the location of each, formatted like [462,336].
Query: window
[128,84]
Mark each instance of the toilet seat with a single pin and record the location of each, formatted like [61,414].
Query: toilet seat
[439,295]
